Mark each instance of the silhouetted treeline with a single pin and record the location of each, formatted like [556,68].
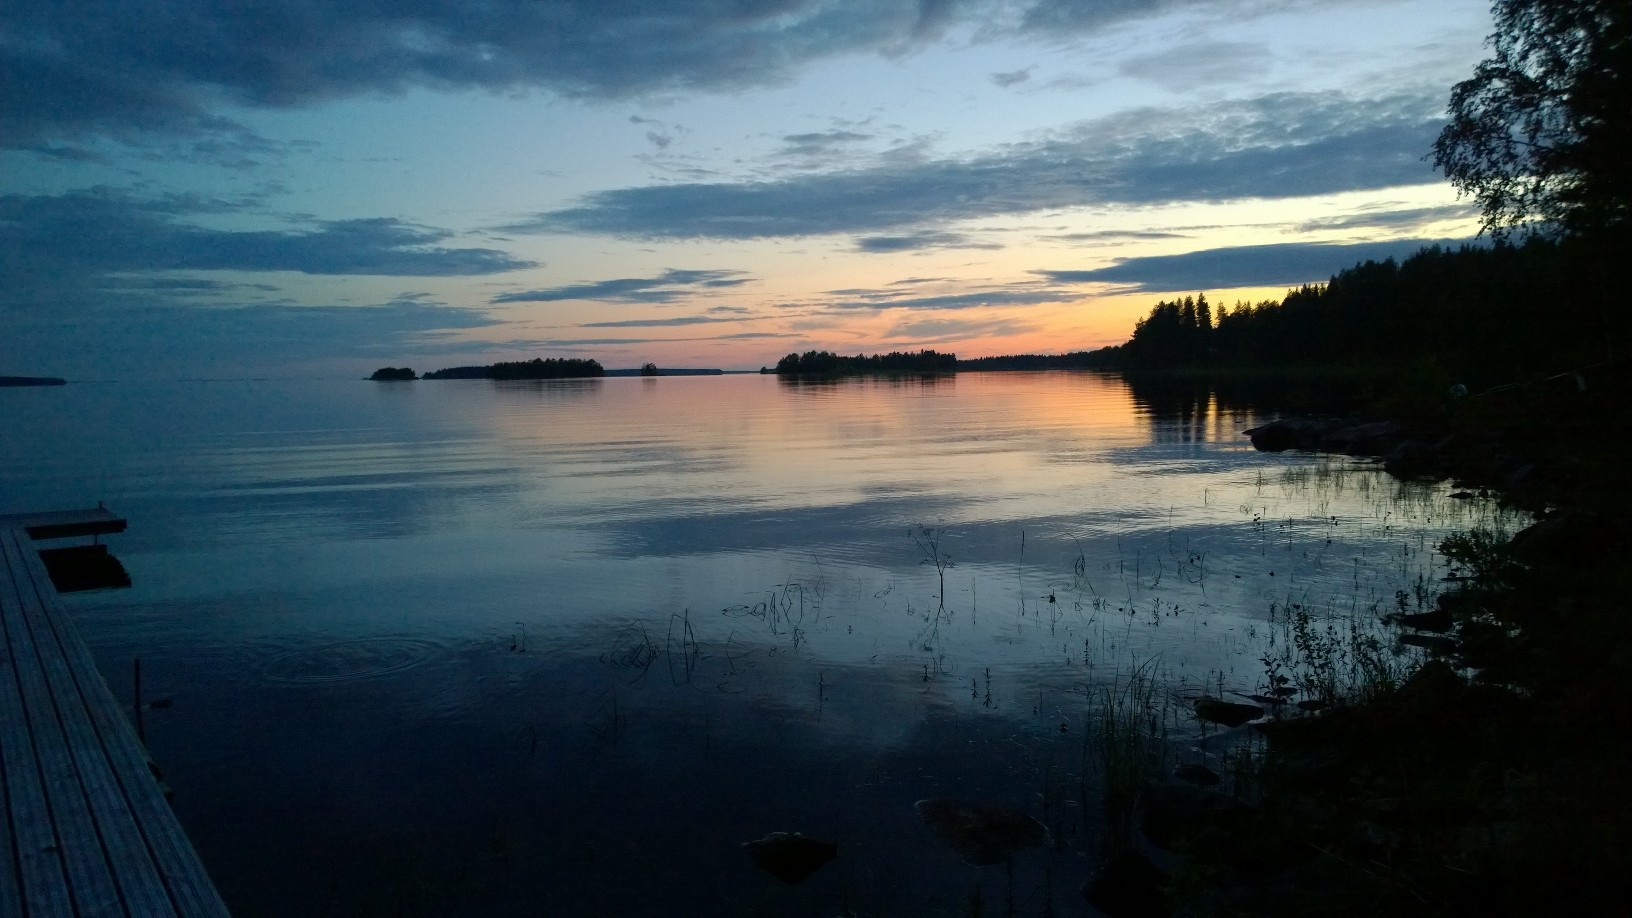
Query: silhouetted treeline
[1484,313]
[393,374]
[537,368]
[827,363]
[1076,360]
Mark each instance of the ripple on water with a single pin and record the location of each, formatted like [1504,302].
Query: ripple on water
[358,659]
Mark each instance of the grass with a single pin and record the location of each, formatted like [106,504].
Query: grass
[1127,735]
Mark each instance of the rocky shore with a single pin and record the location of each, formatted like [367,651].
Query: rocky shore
[1488,781]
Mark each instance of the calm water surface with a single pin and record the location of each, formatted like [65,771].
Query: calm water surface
[471,648]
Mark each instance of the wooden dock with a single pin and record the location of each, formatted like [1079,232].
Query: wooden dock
[88,829]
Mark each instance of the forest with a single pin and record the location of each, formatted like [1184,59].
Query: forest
[1482,315]
[827,363]
[537,368]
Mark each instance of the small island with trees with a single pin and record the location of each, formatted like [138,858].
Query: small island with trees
[537,368]
[895,363]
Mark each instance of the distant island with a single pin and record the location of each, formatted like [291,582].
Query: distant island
[32,381]
[537,368]
[895,363]
[654,370]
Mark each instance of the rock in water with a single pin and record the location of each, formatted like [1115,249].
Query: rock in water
[789,856]
[1127,886]
[981,833]
[1193,773]
[1228,713]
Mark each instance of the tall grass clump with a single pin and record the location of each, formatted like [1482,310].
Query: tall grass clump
[1330,663]
[1129,736]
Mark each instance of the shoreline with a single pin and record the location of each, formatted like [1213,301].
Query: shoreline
[1446,793]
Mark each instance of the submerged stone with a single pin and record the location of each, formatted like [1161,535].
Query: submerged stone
[790,856]
[1127,885]
[1432,643]
[1228,713]
[981,833]
[1192,773]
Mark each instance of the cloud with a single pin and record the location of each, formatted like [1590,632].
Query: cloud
[820,144]
[165,65]
[1275,146]
[168,67]
[1011,78]
[148,339]
[660,323]
[667,287]
[942,329]
[53,245]
[1185,67]
[1411,217]
[929,239]
[1021,293]
[1118,236]
[613,342]
[1284,264]
[1053,17]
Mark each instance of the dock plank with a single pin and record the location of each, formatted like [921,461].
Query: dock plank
[91,831]
[140,887]
[63,524]
[90,880]
[40,878]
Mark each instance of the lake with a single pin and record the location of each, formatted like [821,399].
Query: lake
[465,647]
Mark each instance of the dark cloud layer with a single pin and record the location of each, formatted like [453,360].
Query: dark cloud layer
[929,239]
[667,287]
[676,322]
[213,340]
[1243,266]
[1282,145]
[53,242]
[69,69]
[73,70]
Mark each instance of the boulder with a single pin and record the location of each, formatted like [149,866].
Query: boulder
[789,856]
[1127,885]
[1437,621]
[1565,537]
[1200,775]
[1228,713]
[1373,439]
[1291,433]
[1433,643]
[981,833]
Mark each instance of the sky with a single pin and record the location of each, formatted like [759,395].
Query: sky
[204,189]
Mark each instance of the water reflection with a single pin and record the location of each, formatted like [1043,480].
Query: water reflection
[497,648]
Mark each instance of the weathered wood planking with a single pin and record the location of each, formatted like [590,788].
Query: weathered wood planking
[62,524]
[88,830]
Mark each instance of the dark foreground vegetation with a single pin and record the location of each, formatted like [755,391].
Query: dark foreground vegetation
[1490,779]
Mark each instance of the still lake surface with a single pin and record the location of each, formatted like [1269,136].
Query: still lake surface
[466,647]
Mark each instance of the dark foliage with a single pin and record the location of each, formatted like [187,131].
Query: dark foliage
[393,374]
[1484,315]
[537,368]
[648,369]
[1539,134]
[827,363]
[1076,360]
